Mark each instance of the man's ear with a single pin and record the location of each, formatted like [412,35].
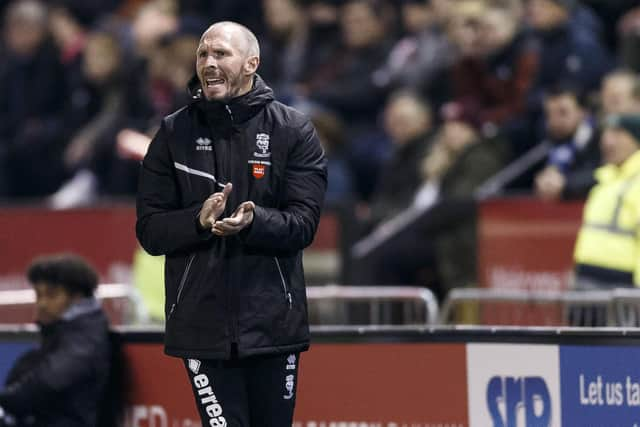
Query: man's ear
[251,65]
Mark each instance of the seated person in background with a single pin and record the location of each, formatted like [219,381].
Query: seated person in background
[574,154]
[61,383]
[608,246]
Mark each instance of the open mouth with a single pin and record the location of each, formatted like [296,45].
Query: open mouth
[211,82]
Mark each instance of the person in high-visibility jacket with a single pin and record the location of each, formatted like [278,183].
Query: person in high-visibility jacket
[607,252]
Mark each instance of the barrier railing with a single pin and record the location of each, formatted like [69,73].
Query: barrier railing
[617,307]
[371,305]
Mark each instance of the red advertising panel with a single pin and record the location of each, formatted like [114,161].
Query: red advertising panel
[381,385]
[527,243]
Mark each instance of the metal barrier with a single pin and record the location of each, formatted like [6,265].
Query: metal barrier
[549,308]
[371,305]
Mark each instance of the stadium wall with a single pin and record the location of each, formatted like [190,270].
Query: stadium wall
[404,377]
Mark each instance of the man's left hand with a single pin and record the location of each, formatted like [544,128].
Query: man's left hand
[241,218]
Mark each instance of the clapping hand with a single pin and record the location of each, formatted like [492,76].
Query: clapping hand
[214,206]
[241,218]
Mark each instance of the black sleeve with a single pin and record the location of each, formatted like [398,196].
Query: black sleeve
[293,227]
[163,226]
[71,363]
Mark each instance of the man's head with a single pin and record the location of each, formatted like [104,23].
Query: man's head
[620,93]
[621,138]
[465,26]
[282,17]
[227,58]
[564,111]
[59,281]
[546,15]
[25,27]
[406,117]
[498,28]
[363,22]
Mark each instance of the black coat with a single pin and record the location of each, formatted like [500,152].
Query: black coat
[246,289]
[61,383]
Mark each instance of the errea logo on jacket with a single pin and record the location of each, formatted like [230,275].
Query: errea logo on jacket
[203,144]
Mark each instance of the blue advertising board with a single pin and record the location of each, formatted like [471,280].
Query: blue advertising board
[600,386]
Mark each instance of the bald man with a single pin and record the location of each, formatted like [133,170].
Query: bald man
[231,191]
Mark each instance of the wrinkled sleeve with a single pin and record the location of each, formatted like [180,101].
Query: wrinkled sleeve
[292,227]
[163,226]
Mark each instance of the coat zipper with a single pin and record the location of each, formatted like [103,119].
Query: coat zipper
[287,294]
[183,280]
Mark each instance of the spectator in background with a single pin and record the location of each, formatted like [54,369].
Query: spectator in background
[620,93]
[32,96]
[573,135]
[330,130]
[408,123]
[492,80]
[347,85]
[62,382]
[629,34]
[91,153]
[570,49]
[419,58]
[285,46]
[606,252]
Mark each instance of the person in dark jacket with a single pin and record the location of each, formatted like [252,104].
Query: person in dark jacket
[231,191]
[574,155]
[62,382]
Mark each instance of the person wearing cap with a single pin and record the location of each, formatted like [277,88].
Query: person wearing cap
[608,246]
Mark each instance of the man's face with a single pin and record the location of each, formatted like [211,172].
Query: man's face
[405,119]
[617,146]
[544,15]
[563,115]
[617,96]
[360,26]
[223,64]
[51,302]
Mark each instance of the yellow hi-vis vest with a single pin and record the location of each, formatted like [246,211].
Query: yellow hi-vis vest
[609,239]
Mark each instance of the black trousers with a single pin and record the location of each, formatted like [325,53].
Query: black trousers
[252,392]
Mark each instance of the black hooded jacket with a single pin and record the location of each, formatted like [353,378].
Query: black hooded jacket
[248,288]
[62,382]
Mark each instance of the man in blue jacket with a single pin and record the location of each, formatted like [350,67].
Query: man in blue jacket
[231,191]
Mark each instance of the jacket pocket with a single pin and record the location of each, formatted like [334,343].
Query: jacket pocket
[285,288]
[183,282]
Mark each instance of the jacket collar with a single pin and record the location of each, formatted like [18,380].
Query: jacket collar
[236,110]
[628,169]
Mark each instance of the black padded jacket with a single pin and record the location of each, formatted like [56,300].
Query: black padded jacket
[247,289]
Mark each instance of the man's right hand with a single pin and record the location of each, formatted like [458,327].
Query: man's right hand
[213,207]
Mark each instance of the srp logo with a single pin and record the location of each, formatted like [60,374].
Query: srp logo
[514,399]
[514,385]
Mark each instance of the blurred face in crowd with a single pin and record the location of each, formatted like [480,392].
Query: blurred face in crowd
[457,135]
[25,27]
[152,22]
[417,16]
[617,145]
[226,62]
[544,15]
[361,27]
[405,118]
[563,115]
[281,16]
[51,302]
[101,58]
[497,28]
[465,26]
[618,95]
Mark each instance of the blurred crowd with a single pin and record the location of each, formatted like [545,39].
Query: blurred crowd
[413,99]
